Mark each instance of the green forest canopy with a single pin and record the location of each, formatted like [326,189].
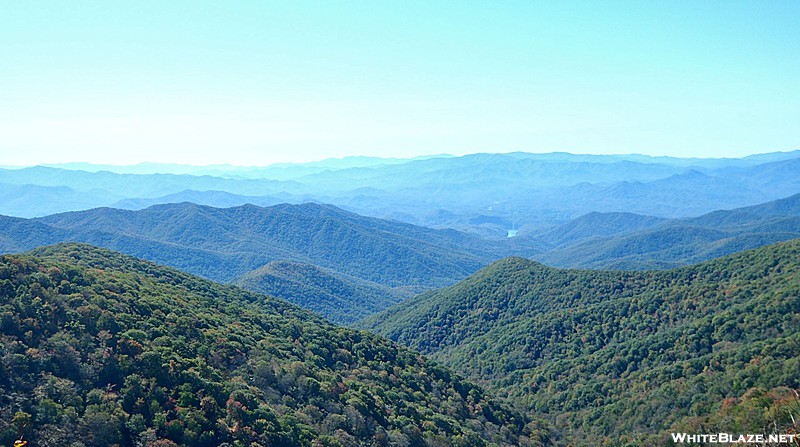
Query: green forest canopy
[619,355]
[101,349]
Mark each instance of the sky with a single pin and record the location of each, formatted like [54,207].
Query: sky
[261,82]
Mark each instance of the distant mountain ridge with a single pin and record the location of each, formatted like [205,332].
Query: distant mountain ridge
[592,241]
[362,255]
[530,191]
[595,225]
[217,199]
[278,171]
[321,234]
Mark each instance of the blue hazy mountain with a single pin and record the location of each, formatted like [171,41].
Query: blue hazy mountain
[134,185]
[278,171]
[590,241]
[217,199]
[596,225]
[30,200]
[527,191]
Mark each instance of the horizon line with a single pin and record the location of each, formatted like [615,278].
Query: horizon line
[61,165]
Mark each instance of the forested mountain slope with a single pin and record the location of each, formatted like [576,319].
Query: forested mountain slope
[597,225]
[389,253]
[341,298]
[616,354]
[100,349]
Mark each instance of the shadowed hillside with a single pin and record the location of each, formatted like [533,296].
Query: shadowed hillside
[342,299]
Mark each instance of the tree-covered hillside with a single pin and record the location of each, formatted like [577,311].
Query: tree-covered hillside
[613,354]
[247,237]
[341,298]
[100,349]
[596,225]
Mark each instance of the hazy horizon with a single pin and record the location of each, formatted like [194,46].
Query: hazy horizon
[76,164]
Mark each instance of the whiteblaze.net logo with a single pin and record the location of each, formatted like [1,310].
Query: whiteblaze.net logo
[727,438]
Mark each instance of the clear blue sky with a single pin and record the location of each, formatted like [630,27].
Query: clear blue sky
[260,82]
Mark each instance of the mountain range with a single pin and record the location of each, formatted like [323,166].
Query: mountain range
[346,267]
[368,263]
[481,193]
